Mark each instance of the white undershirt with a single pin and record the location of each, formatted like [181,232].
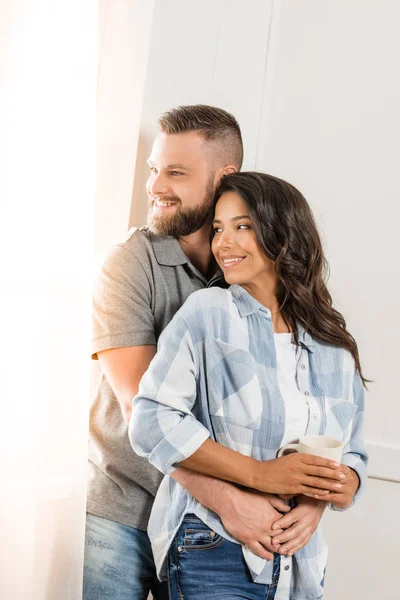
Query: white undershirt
[296,406]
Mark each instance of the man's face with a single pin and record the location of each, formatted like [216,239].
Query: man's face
[181,184]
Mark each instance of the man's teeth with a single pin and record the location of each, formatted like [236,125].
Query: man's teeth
[164,203]
[228,261]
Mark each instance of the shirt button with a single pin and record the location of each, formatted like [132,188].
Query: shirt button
[303,367]
[306,393]
[287,568]
[315,416]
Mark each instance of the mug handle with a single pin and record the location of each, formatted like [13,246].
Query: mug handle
[288,447]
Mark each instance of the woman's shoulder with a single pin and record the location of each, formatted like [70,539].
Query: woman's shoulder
[209,297]
[207,301]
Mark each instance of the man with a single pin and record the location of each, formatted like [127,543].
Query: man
[143,281]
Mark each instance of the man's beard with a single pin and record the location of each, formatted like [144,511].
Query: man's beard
[186,220]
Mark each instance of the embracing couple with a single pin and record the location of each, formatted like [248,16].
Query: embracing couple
[216,320]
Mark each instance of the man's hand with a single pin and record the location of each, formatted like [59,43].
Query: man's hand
[344,497]
[248,516]
[298,525]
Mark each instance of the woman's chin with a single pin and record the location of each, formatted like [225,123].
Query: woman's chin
[231,278]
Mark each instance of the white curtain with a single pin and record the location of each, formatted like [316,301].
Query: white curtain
[48,70]
[55,58]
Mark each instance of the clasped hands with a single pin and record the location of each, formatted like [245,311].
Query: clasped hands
[266,524]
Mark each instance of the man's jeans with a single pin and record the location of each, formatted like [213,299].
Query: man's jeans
[203,566]
[118,563]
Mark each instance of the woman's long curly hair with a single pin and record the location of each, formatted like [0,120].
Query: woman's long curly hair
[287,233]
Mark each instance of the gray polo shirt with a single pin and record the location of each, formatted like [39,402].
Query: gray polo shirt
[143,281]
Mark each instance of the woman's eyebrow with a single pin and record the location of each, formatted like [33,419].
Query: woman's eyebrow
[233,218]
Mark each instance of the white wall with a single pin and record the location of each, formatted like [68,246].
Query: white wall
[315,87]
[332,127]
[209,52]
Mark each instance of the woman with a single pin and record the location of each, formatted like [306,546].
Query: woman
[239,373]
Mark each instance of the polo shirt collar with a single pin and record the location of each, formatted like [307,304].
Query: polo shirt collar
[168,251]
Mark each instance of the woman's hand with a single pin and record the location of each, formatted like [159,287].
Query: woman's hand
[344,497]
[292,474]
[299,525]
[299,473]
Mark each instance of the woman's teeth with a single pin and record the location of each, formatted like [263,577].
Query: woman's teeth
[229,262]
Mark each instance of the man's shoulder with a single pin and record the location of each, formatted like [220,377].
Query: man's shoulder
[136,244]
[138,240]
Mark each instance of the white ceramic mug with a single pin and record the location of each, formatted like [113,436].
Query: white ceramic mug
[319,445]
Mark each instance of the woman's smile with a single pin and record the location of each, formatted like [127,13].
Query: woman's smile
[227,262]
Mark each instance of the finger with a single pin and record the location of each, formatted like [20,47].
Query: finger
[298,547]
[285,522]
[290,548]
[279,504]
[325,473]
[324,484]
[290,534]
[311,491]
[332,497]
[319,461]
[260,550]
[339,500]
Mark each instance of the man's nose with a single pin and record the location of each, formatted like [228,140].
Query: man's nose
[157,185]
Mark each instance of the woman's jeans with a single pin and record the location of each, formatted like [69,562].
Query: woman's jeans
[203,565]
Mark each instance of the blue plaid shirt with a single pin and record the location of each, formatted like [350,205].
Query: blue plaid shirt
[215,375]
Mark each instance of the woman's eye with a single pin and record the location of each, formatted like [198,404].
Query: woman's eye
[217,229]
[243,226]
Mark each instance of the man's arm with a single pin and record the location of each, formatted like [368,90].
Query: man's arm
[124,368]
[246,516]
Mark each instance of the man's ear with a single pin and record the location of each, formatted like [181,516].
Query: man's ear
[228,170]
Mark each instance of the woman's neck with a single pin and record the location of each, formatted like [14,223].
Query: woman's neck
[266,296]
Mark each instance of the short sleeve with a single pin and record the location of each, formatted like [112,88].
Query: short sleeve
[122,303]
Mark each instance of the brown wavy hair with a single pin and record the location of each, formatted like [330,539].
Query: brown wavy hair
[287,233]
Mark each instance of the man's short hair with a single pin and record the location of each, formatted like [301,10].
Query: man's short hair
[212,123]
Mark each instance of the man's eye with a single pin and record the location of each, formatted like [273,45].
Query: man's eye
[176,173]
[153,169]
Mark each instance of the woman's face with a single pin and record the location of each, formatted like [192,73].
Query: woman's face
[235,246]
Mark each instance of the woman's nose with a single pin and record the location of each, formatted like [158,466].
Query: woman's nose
[225,240]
